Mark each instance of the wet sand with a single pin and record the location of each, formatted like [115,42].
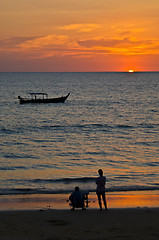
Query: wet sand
[136,199]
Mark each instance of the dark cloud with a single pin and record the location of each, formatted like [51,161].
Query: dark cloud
[125,33]
[111,42]
[11,42]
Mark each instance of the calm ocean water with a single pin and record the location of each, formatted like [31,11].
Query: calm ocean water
[109,121]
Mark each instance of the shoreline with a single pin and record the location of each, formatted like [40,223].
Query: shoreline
[115,200]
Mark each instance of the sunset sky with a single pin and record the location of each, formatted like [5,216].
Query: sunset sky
[85,35]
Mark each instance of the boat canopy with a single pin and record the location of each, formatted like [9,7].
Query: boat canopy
[34,95]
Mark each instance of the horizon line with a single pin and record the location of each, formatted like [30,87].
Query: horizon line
[79,72]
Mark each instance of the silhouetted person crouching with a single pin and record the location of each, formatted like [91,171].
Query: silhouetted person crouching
[77,199]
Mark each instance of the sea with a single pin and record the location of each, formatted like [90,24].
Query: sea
[110,121]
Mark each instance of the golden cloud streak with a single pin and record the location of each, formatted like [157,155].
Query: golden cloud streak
[81,27]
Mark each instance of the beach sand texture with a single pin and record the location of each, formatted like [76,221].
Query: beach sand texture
[138,223]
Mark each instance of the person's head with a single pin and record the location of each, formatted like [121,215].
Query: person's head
[100,171]
[77,188]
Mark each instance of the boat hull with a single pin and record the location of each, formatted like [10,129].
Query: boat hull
[46,100]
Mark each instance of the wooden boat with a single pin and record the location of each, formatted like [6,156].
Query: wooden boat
[42,98]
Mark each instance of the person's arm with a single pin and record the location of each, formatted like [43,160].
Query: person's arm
[105,180]
[71,197]
[96,181]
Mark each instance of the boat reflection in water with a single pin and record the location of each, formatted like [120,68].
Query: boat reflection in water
[42,98]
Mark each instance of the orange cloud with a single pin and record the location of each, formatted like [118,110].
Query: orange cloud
[63,45]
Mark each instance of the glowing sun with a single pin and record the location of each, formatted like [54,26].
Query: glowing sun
[131,70]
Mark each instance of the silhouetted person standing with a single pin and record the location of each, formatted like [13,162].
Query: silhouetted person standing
[101,181]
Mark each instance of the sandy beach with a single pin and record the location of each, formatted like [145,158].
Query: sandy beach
[73,225]
[131,215]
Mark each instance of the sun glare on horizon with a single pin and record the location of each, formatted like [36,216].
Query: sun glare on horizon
[131,70]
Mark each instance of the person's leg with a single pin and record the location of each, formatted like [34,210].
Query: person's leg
[99,200]
[104,200]
[86,199]
[83,206]
[73,205]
